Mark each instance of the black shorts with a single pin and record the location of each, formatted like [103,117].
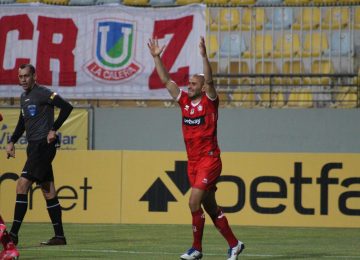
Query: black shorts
[38,166]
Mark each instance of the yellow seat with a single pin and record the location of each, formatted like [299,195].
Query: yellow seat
[212,45]
[242,2]
[302,98]
[242,95]
[208,18]
[262,92]
[263,47]
[320,67]
[252,18]
[336,18]
[135,2]
[215,2]
[308,18]
[315,44]
[214,69]
[357,17]
[288,46]
[346,97]
[293,67]
[187,2]
[238,68]
[227,19]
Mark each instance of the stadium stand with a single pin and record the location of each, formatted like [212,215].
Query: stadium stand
[212,44]
[340,44]
[336,18]
[308,18]
[281,18]
[252,18]
[292,67]
[225,19]
[263,46]
[232,45]
[357,18]
[315,44]
[288,46]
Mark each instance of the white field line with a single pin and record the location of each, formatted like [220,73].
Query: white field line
[163,253]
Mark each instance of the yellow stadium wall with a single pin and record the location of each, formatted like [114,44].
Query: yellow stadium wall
[146,187]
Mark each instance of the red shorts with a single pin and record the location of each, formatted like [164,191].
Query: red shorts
[203,174]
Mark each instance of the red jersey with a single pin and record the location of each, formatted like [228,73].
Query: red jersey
[199,126]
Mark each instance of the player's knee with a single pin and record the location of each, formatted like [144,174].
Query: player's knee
[194,205]
[23,186]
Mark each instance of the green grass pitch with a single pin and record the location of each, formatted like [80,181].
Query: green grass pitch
[166,242]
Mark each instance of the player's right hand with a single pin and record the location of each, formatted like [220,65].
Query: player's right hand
[10,150]
[153,45]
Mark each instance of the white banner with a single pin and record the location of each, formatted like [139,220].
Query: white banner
[99,52]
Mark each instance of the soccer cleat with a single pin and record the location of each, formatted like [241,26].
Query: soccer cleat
[191,254]
[10,252]
[235,251]
[55,241]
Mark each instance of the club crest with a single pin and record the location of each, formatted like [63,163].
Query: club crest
[114,51]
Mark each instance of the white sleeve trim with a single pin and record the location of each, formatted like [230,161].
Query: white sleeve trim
[212,99]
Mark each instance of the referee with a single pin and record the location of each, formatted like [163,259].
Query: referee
[37,120]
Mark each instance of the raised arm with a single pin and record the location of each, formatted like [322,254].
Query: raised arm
[209,83]
[156,51]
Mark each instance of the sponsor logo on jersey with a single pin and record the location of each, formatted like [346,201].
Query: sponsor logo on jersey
[193,121]
[113,58]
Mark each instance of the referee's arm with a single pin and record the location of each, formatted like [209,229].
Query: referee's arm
[65,110]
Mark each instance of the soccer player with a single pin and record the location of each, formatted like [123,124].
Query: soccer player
[199,107]
[37,119]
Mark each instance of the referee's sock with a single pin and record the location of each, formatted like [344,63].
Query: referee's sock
[20,211]
[54,209]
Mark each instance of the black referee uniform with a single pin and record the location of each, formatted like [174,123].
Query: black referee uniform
[37,120]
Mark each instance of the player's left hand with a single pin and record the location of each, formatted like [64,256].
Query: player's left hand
[51,136]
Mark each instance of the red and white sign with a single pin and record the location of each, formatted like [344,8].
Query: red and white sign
[99,51]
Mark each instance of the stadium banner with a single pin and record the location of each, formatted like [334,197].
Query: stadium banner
[99,52]
[88,186]
[73,134]
[150,187]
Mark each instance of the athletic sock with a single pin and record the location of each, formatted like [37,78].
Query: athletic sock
[54,210]
[221,223]
[198,222]
[19,213]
